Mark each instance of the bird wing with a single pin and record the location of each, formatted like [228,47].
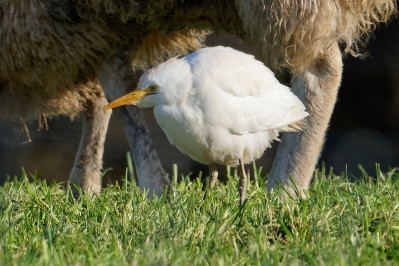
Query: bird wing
[235,72]
[242,96]
[277,110]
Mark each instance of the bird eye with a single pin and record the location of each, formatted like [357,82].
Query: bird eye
[153,88]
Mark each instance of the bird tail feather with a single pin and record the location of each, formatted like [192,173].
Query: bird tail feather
[293,120]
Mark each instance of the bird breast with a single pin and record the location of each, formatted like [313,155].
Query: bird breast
[206,140]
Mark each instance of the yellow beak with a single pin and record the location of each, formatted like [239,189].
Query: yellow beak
[130,98]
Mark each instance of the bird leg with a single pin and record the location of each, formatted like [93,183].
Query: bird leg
[117,77]
[317,86]
[213,177]
[243,183]
[86,170]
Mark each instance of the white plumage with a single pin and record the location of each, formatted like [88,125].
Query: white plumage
[218,105]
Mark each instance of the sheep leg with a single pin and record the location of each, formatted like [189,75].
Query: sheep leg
[150,174]
[88,161]
[317,86]
[117,77]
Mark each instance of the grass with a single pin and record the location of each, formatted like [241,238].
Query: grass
[340,222]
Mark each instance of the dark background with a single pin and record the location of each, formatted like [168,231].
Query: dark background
[364,128]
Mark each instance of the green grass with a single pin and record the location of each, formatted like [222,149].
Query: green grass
[340,222]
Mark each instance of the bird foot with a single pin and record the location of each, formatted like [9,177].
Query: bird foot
[242,184]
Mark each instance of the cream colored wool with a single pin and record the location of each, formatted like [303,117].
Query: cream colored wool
[50,60]
[296,32]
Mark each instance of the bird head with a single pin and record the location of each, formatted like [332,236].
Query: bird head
[167,83]
[140,97]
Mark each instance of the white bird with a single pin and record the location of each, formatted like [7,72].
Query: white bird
[218,106]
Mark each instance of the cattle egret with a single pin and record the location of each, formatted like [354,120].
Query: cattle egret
[218,106]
